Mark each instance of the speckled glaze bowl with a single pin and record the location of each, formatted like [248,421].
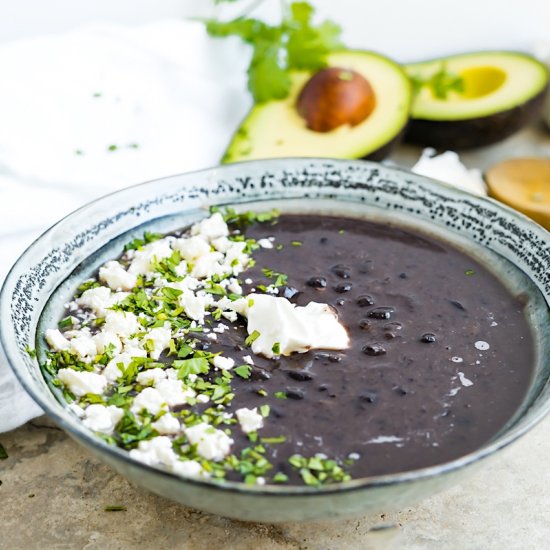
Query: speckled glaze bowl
[48,273]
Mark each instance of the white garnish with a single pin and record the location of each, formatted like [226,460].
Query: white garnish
[56,340]
[212,444]
[294,328]
[223,363]
[149,399]
[102,419]
[174,392]
[167,424]
[249,419]
[82,382]
[116,276]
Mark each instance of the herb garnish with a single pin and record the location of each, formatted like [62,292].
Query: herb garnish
[3,452]
[441,83]
[295,44]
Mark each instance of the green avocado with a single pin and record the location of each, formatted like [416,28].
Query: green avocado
[474,99]
[275,129]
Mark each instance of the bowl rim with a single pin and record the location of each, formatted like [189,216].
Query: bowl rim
[75,428]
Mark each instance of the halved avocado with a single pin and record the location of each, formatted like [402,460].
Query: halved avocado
[489,96]
[276,129]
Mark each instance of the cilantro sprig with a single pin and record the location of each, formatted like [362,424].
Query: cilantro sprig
[297,43]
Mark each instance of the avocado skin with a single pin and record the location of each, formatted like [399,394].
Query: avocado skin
[474,132]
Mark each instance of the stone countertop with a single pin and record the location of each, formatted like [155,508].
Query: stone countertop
[53,494]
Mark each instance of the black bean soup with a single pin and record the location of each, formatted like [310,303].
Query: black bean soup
[441,354]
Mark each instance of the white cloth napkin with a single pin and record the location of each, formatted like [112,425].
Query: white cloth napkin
[99,109]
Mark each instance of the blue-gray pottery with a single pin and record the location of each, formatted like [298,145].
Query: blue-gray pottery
[47,274]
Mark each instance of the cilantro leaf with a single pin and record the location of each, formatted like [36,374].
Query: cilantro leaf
[295,44]
[266,78]
[308,46]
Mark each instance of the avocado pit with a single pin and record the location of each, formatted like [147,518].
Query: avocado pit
[334,97]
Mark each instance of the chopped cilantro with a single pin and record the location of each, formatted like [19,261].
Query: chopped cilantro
[115,508]
[276,349]
[243,371]
[264,410]
[296,243]
[273,440]
[279,477]
[3,452]
[196,365]
[469,272]
[251,338]
[66,322]
[112,148]
[280,395]
[147,238]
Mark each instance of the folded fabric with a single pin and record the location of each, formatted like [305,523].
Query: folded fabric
[98,109]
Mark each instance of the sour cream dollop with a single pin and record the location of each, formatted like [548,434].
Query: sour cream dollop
[282,328]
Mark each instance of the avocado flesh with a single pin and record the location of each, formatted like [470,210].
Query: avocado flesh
[275,129]
[502,92]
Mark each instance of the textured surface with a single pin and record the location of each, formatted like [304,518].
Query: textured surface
[504,504]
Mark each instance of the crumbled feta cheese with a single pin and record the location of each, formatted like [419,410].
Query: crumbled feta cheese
[189,468]
[157,450]
[208,265]
[211,228]
[249,419]
[114,274]
[115,367]
[76,409]
[167,424]
[56,340]
[221,244]
[192,248]
[82,382]
[448,168]
[97,299]
[83,346]
[143,258]
[265,243]
[133,348]
[248,359]
[122,323]
[231,316]
[203,398]
[151,377]
[160,338]
[223,363]
[235,287]
[194,305]
[104,339]
[212,444]
[102,419]
[173,392]
[294,328]
[149,399]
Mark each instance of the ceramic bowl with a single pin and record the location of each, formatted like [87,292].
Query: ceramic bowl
[48,273]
